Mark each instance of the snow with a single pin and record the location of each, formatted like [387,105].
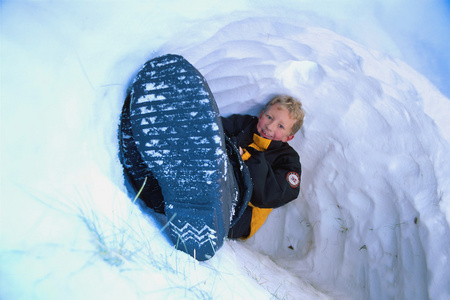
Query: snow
[372,219]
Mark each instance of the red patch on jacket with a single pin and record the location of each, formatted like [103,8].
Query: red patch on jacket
[293,178]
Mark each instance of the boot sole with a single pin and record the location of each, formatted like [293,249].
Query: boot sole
[177,129]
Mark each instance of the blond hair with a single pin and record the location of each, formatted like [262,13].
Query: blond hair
[293,105]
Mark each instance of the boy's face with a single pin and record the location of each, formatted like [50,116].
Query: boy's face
[276,124]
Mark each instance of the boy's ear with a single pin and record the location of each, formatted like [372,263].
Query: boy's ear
[290,137]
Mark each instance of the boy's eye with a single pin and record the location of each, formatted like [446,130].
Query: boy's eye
[269,117]
[281,126]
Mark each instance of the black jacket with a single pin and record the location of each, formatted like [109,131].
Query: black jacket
[271,170]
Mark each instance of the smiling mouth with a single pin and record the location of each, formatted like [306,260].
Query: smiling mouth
[265,134]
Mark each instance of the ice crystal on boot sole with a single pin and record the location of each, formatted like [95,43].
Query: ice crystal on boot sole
[150,74]
[147,130]
[150,97]
[165,62]
[152,143]
[153,153]
[144,121]
[225,170]
[217,139]
[209,173]
[146,110]
[152,87]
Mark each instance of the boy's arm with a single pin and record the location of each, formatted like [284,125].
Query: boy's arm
[235,124]
[277,185]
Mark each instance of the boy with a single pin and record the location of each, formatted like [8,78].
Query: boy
[274,166]
[177,156]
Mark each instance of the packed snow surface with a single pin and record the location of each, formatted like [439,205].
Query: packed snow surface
[372,219]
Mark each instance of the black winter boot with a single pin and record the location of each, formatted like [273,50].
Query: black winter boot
[178,132]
